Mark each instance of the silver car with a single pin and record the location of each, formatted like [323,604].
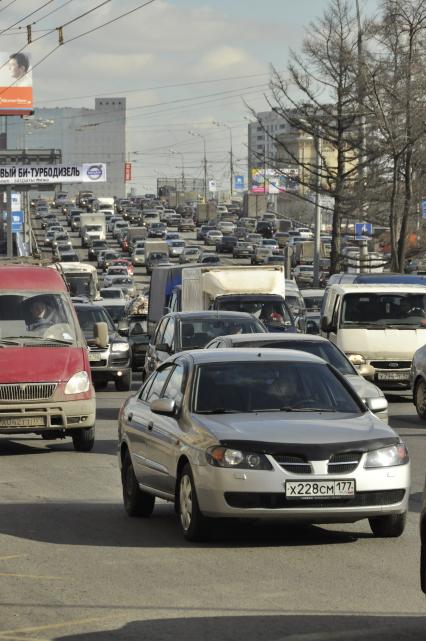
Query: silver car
[317,346]
[259,434]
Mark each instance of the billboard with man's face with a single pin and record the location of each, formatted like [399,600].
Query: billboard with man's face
[16,92]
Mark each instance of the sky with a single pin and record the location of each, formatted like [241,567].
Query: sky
[181,64]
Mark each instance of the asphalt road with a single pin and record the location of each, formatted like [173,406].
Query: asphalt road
[74,567]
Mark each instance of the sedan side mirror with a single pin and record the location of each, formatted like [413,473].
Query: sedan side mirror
[377,404]
[100,334]
[165,406]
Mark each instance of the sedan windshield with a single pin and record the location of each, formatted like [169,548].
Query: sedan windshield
[270,387]
[381,311]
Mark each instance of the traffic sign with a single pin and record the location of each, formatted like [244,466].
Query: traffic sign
[363,229]
[424,208]
[17,220]
[239,182]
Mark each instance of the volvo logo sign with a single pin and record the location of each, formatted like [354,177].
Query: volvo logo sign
[94,172]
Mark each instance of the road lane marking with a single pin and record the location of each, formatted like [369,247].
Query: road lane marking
[11,556]
[31,576]
[52,626]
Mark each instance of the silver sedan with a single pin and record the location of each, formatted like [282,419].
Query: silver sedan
[259,433]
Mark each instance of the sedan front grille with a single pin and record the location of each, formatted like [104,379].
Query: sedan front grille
[16,392]
[293,464]
[274,500]
[343,463]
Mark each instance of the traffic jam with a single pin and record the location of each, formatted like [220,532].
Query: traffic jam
[250,394]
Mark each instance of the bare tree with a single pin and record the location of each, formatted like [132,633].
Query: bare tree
[397,107]
[320,99]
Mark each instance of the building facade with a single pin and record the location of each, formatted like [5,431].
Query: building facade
[82,135]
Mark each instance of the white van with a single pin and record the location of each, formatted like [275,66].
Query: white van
[379,327]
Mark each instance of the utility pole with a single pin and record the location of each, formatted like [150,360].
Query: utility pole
[205,171]
[362,162]
[317,241]
[9,235]
[198,135]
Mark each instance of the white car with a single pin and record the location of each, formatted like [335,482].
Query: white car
[226,227]
[176,248]
[213,236]
[138,257]
[114,271]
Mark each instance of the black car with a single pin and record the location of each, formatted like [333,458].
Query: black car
[112,363]
[181,331]
[95,247]
[226,244]
[138,340]
[265,229]
[157,230]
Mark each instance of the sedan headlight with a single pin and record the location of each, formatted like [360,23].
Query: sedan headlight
[387,457]
[219,456]
[357,359]
[78,384]
[120,347]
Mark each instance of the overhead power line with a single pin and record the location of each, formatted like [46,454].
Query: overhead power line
[8,5]
[27,16]
[104,24]
[158,87]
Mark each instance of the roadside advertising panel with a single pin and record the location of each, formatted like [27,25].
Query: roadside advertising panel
[16,84]
[277,180]
[50,174]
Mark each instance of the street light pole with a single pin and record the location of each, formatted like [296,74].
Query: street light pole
[231,156]
[198,135]
[317,242]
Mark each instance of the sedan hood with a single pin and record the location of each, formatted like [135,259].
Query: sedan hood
[39,364]
[363,388]
[318,434]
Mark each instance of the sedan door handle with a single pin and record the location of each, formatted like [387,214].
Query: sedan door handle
[150,425]
[130,416]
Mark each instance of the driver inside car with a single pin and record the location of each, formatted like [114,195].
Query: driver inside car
[41,315]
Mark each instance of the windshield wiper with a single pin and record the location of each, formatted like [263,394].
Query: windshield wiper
[7,341]
[305,409]
[219,410]
[13,339]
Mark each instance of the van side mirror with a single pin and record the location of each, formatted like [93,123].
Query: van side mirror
[164,347]
[100,334]
[123,328]
[325,324]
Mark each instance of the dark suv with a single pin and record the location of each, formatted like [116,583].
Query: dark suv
[264,228]
[226,244]
[112,363]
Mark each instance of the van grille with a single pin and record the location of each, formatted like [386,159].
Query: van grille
[27,391]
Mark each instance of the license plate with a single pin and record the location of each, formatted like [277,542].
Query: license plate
[393,376]
[23,421]
[319,489]
[95,357]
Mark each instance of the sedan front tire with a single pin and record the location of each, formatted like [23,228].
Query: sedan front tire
[192,522]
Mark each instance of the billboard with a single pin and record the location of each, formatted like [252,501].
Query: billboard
[277,180]
[16,91]
[51,174]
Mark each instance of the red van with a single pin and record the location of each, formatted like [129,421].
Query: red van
[45,381]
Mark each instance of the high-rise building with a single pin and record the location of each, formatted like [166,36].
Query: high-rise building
[261,144]
[82,135]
